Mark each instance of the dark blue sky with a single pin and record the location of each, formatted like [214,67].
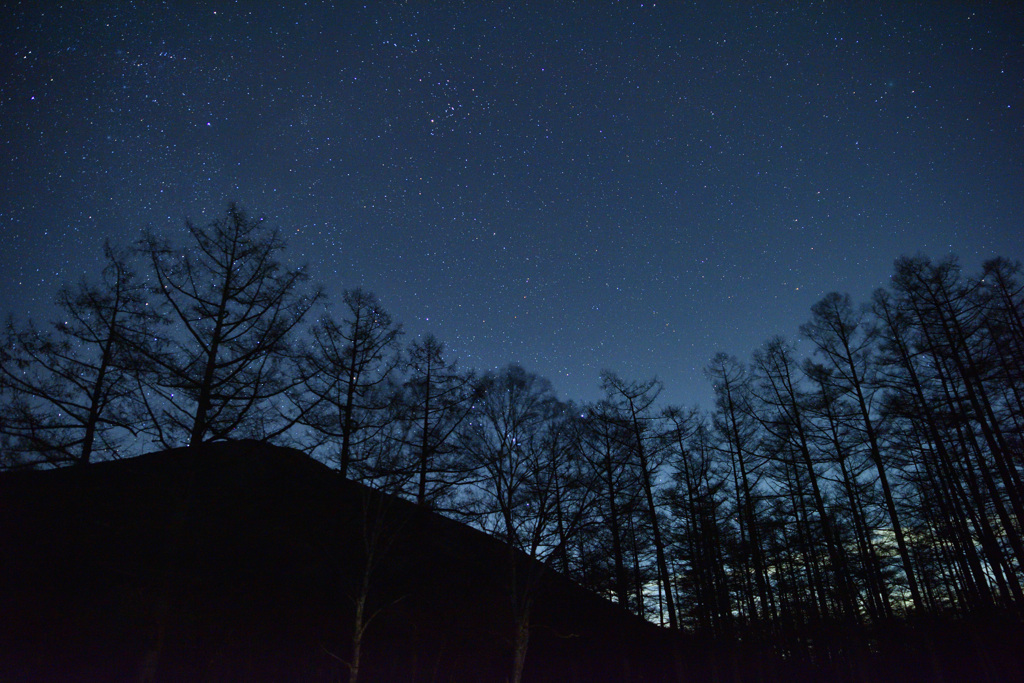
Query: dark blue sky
[570,186]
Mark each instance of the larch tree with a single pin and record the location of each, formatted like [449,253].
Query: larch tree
[836,430]
[231,308]
[943,321]
[69,390]
[782,408]
[523,465]
[841,337]
[347,373]
[634,401]
[436,399]
[612,483]
[738,434]
[695,500]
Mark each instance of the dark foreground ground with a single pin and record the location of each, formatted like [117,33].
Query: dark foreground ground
[240,561]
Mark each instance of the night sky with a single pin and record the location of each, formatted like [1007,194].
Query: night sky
[567,185]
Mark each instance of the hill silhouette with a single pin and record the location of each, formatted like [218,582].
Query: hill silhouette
[242,561]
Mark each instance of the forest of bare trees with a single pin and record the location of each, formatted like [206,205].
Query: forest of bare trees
[870,472]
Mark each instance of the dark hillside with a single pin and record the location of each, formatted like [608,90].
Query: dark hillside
[241,561]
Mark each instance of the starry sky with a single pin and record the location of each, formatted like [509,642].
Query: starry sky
[568,185]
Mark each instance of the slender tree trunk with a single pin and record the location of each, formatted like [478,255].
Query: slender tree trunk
[659,546]
[638,583]
[201,423]
[613,523]
[950,493]
[357,637]
[747,510]
[96,401]
[744,545]
[521,642]
[874,586]
[421,492]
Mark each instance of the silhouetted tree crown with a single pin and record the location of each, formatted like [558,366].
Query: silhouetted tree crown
[71,390]
[231,308]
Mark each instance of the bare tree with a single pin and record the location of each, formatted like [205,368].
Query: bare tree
[437,398]
[612,481]
[69,390]
[634,401]
[694,499]
[836,431]
[513,437]
[841,337]
[783,411]
[739,434]
[346,375]
[232,306]
[942,381]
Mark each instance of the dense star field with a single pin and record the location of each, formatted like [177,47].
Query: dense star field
[569,186]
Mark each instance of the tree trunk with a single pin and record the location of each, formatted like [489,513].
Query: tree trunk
[521,642]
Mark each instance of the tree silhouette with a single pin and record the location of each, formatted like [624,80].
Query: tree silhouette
[524,466]
[69,391]
[436,400]
[231,307]
[840,336]
[634,402]
[841,442]
[946,388]
[737,430]
[824,496]
[346,374]
[695,499]
[612,481]
[784,414]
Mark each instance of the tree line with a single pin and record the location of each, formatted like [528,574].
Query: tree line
[877,475]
